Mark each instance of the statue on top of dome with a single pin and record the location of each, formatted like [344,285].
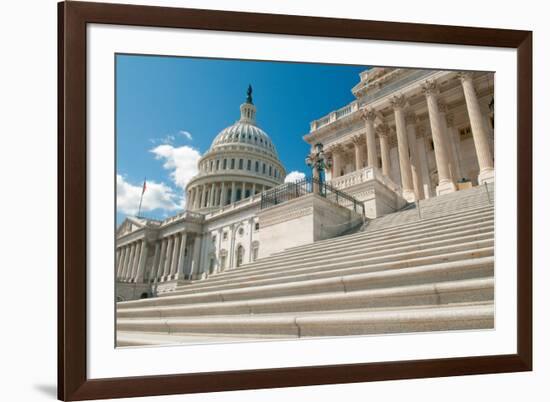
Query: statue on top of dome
[249,95]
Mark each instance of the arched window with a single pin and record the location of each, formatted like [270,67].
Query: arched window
[249,165]
[257,166]
[224,164]
[232,163]
[240,164]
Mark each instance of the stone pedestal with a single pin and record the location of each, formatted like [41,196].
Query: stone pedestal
[303,220]
[379,193]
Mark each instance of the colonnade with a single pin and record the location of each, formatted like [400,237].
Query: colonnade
[411,156]
[170,259]
[222,193]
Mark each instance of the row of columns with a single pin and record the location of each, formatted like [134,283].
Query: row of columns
[130,261]
[220,193]
[412,159]
[169,260]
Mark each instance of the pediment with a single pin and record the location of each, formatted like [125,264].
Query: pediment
[130,225]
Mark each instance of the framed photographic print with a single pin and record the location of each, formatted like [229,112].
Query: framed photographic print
[252,200]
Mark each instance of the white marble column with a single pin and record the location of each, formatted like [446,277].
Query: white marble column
[203,196]
[410,120]
[446,184]
[423,161]
[162,260]
[233,192]
[196,200]
[142,261]
[120,269]
[448,141]
[336,151]
[253,189]
[369,116]
[223,196]
[175,251]
[156,258]
[243,190]
[479,132]
[399,103]
[383,132]
[168,259]
[181,259]
[196,256]
[135,263]
[454,139]
[357,145]
[128,264]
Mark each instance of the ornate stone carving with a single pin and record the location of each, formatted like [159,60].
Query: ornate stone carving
[383,130]
[368,114]
[465,76]
[430,88]
[398,101]
[358,140]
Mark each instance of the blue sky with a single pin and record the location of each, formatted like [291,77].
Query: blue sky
[169,109]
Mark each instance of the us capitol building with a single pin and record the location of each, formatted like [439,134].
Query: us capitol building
[409,138]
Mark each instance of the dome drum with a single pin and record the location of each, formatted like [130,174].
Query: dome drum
[242,161]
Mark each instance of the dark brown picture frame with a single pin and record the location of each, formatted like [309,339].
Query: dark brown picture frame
[73,17]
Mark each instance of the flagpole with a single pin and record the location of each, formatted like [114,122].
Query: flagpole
[141,199]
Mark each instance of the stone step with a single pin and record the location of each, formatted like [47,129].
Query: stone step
[401,230]
[129,339]
[477,315]
[470,290]
[326,264]
[417,235]
[474,232]
[431,209]
[426,270]
[364,260]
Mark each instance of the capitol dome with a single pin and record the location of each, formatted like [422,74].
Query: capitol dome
[242,161]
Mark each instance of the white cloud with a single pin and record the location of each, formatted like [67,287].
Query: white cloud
[186,134]
[180,161]
[294,176]
[157,196]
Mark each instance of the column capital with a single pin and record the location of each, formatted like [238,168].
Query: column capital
[368,114]
[465,76]
[398,102]
[383,130]
[358,140]
[335,149]
[430,88]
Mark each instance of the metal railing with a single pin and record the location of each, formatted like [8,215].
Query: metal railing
[308,185]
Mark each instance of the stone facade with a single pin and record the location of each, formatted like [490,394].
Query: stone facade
[409,135]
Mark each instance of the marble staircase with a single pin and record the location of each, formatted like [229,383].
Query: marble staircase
[404,272]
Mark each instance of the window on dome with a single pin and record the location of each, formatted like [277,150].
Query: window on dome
[263,168]
[217,164]
[249,165]
[270,170]
[224,164]
[240,164]
[257,167]
[232,163]
[211,165]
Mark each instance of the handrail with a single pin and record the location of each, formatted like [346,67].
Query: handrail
[308,185]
